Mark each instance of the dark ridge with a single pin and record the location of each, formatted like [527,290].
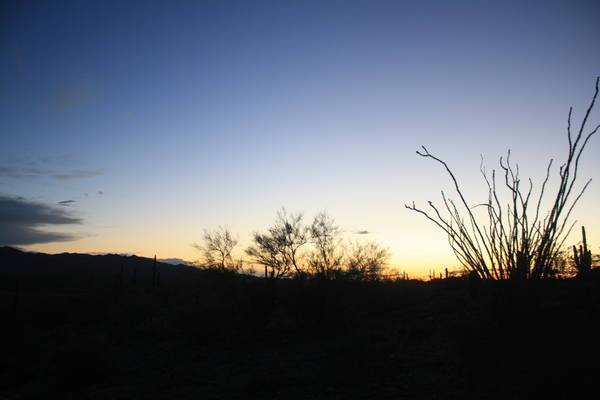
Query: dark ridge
[31,267]
[112,326]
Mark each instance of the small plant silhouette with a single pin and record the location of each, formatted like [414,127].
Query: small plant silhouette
[582,258]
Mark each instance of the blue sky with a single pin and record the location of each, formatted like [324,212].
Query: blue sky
[162,119]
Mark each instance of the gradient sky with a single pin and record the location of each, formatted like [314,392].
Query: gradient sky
[151,121]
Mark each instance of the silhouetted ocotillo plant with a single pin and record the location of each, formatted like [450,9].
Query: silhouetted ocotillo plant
[519,241]
[583,257]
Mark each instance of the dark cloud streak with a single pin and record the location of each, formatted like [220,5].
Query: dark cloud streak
[36,173]
[20,221]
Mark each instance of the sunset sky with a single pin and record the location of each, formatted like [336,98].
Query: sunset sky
[129,127]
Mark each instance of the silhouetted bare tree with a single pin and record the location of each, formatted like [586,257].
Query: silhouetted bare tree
[366,260]
[327,256]
[217,247]
[278,250]
[518,241]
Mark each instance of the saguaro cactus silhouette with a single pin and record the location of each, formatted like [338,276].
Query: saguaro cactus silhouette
[583,257]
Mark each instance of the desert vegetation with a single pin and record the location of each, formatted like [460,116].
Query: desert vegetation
[291,249]
[217,248]
[83,326]
[518,239]
[323,319]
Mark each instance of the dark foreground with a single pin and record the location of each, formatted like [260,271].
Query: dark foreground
[83,327]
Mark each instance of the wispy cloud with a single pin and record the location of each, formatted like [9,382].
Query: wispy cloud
[58,168]
[21,220]
[20,173]
[77,175]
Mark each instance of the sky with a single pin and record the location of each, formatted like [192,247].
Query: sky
[130,127]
